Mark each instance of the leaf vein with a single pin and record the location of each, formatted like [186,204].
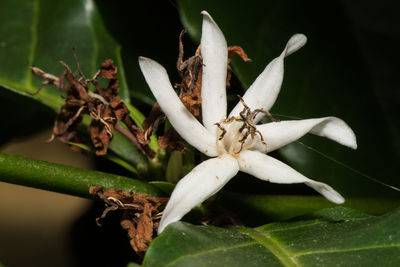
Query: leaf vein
[95,55]
[305,225]
[32,49]
[343,250]
[210,251]
[272,245]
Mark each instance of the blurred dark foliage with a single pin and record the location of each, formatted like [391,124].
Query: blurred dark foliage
[21,116]
[107,245]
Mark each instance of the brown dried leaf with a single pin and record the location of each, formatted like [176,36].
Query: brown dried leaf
[171,140]
[67,122]
[234,50]
[75,89]
[104,106]
[193,103]
[70,114]
[108,70]
[190,72]
[119,108]
[237,50]
[140,217]
[150,124]
[140,229]
[47,77]
[153,117]
[140,135]
[101,128]
[113,88]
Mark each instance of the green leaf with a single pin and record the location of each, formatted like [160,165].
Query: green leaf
[324,78]
[65,179]
[41,33]
[253,209]
[174,167]
[108,156]
[166,187]
[338,236]
[125,149]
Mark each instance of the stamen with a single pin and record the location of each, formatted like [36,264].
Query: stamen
[221,136]
[231,138]
[262,140]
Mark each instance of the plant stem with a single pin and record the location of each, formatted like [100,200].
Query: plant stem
[65,179]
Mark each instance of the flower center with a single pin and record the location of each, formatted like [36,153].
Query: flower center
[236,134]
[231,138]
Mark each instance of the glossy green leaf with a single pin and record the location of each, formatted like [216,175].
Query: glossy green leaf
[166,187]
[41,33]
[125,149]
[65,179]
[326,77]
[174,167]
[108,156]
[252,209]
[330,237]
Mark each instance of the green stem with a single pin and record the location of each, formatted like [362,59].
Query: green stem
[65,179]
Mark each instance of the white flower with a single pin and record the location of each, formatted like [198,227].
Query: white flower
[235,150]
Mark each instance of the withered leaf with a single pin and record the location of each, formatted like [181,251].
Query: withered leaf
[237,50]
[234,50]
[47,77]
[171,140]
[150,124]
[190,72]
[108,70]
[102,127]
[104,106]
[119,108]
[140,214]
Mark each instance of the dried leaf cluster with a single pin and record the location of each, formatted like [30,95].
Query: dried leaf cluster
[140,216]
[103,105]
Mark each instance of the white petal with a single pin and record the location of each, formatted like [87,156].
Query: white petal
[203,181]
[328,192]
[296,42]
[213,85]
[269,169]
[278,134]
[188,127]
[265,89]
